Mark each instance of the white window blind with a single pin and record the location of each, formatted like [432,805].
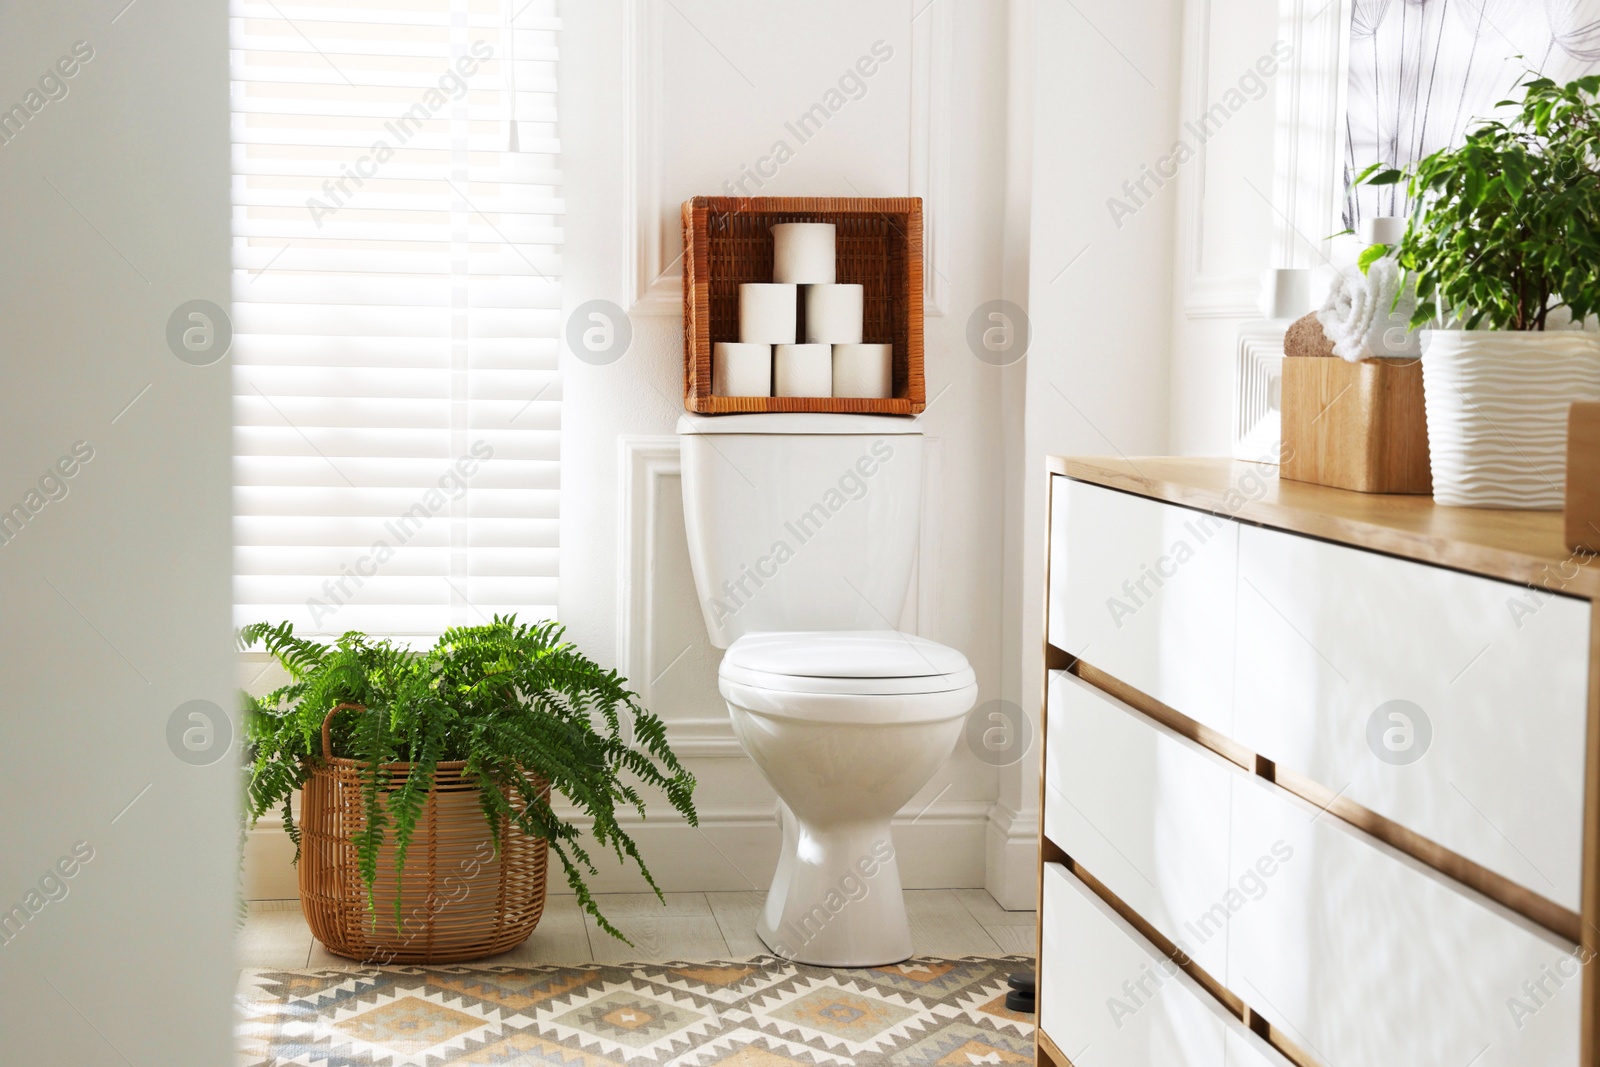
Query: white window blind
[396,262]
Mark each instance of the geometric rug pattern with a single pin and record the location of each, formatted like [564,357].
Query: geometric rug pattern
[764,1012]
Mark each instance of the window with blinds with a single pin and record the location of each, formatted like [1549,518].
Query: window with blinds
[396,265]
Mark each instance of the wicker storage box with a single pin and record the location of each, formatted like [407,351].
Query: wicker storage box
[462,899]
[728,240]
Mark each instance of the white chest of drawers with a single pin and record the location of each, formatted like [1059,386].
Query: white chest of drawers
[1319,777]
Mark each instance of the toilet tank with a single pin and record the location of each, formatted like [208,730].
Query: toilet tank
[800,521]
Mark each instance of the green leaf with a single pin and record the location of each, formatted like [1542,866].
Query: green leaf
[1476,186]
[1371,255]
[1367,172]
[1516,174]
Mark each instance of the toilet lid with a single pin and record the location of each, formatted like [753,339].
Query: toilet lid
[846,661]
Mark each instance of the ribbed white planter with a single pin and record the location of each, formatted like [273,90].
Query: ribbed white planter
[1497,405]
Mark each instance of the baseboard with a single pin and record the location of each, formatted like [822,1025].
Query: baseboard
[1011,858]
[942,847]
[269,872]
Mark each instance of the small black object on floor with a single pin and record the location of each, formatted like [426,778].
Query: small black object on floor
[1020,996]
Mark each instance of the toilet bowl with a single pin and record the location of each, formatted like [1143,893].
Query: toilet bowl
[846,726]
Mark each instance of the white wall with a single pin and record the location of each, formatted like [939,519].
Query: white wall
[1029,126]
[662,101]
[1104,105]
[1226,223]
[1260,195]
[116,597]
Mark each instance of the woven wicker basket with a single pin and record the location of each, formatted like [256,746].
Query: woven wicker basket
[462,899]
[728,240]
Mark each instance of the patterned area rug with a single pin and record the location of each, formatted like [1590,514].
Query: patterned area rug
[765,1012]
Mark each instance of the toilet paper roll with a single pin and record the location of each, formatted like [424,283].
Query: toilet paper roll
[802,370]
[833,314]
[739,369]
[803,252]
[767,313]
[863,371]
[1383,229]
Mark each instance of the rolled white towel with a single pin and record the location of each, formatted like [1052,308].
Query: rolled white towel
[1357,317]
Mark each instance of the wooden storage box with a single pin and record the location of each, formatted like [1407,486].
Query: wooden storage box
[727,240]
[1360,426]
[1582,516]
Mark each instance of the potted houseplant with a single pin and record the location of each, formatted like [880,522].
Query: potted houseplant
[427,780]
[1503,243]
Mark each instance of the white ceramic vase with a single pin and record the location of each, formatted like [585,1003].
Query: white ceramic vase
[1497,405]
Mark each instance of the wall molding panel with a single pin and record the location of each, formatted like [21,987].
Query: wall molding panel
[932,61]
[1205,295]
[654,283]
[652,286]
[645,462]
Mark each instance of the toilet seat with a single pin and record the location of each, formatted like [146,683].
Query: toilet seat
[847,676]
[845,654]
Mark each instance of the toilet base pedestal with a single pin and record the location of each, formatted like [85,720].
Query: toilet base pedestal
[835,899]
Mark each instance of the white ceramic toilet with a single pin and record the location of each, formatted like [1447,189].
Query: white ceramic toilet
[802,534]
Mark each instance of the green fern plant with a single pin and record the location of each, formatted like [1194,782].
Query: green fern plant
[507,698]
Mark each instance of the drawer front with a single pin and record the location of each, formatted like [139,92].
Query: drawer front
[1107,998]
[1144,810]
[1145,591]
[1491,767]
[1364,957]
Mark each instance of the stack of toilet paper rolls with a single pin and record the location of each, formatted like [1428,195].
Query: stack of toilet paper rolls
[770,359]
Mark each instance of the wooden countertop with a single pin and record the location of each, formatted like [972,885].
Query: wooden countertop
[1526,547]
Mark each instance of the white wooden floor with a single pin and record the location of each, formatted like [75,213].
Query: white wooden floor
[692,926]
